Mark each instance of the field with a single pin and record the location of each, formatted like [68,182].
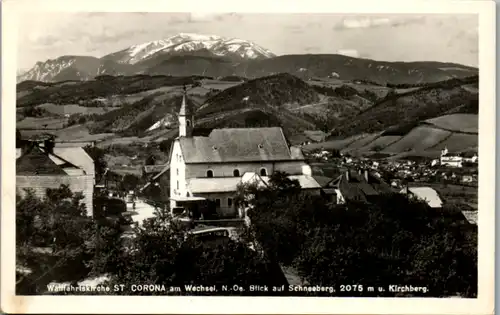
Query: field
[316,135]
[358,144]
[71,109]
[121,141]
[457,132]
[381,142]
[48,123]
[467,123]
[380,91]
[79,132]
[459,142]
[419,139]
[332,144]
[218,85]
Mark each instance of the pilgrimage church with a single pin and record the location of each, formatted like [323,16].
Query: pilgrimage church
[210,168]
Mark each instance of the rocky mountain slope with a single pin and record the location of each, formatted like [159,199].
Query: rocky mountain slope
[215,56]
[73,68]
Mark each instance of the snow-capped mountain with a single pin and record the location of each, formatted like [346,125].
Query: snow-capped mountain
[73,68]
[45,71]
[187,42]
[128,61]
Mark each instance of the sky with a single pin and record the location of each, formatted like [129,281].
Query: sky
[396,37]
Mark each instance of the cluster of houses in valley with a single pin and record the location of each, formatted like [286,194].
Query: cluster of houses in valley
[204,172]
[456,168]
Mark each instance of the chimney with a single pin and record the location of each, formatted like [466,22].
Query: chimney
[347,175]
[366,175]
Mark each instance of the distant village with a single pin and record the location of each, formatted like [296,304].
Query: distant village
[457,168]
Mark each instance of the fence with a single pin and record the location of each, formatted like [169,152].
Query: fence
[233,222]
[156,204]
[222,222]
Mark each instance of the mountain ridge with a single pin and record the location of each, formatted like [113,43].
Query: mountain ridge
[186,42]
[187,54]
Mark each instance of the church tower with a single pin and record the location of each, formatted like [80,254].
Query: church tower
[186,118]
[444,151]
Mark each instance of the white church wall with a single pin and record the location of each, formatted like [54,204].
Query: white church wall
[178,185]
[227,169]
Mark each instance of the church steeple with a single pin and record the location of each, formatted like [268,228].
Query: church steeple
[186,117]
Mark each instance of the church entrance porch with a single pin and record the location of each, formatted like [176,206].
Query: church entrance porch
[195,208]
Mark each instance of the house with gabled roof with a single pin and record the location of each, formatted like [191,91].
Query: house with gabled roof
[41,165]
[209,168]
[151,171]
[360,185]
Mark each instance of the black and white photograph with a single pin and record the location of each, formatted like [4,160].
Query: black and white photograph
[294,155]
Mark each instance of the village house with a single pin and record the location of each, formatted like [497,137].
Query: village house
[360,186]
[470,216]
[41,165]
[470,157]
[157,187]
[109,181]
[328,188]
[209,168]
[450,159]
[467,179]
[151,171]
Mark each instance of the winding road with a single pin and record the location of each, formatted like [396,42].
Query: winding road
[141,212]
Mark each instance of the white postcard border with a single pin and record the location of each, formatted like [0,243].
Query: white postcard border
[484,304]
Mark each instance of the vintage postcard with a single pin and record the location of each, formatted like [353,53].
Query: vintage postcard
[228,157]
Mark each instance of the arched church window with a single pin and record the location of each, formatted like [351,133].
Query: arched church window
[188,123]
[236,173]
[263,172]
[210,173]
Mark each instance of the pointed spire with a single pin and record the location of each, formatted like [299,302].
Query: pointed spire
[182,111]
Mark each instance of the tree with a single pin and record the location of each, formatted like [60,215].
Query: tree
[151,160]
[390,240]
[280,182]
[33,111]
[165,145]
[163,253]
[56,225]
[130,182]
